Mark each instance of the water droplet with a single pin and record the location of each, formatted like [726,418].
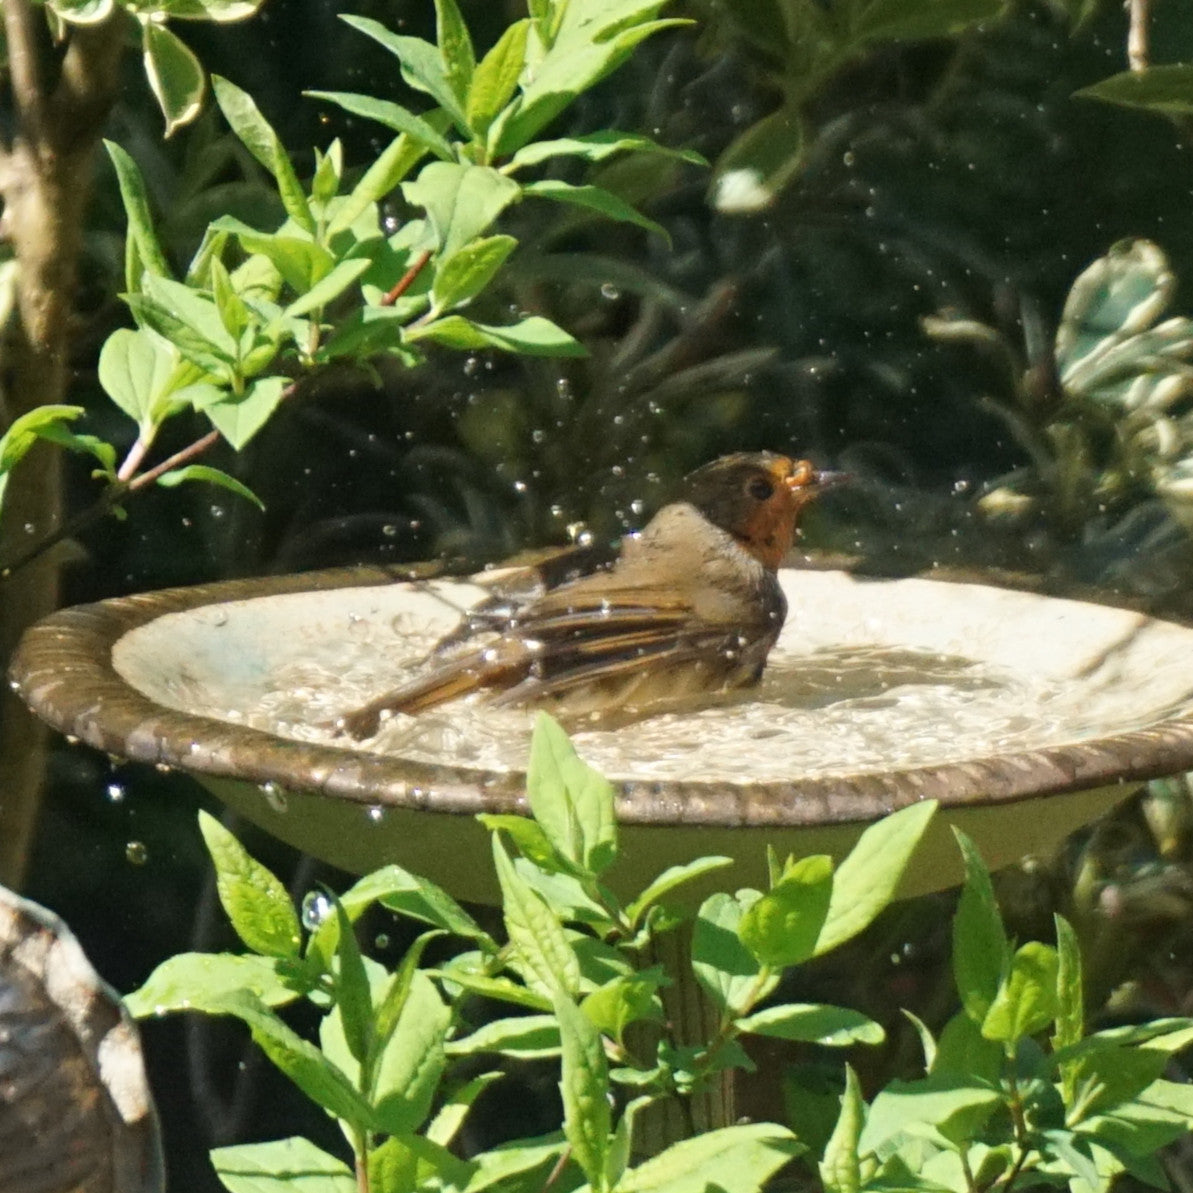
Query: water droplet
[389,530]
[375,812]
[115,792]
[316,907]
[610,291]
[136,853]
[275,797]
[381,941]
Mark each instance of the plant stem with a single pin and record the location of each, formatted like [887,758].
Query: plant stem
[407,279]
[111,496]
[1137,34]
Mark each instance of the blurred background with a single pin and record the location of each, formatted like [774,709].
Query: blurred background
[890,306]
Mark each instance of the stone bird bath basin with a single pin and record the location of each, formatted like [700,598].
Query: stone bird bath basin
[1026,716]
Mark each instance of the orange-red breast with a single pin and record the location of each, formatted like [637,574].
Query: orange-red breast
[692,605]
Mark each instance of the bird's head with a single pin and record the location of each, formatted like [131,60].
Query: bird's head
[757,498]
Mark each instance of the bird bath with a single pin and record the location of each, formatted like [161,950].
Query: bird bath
[1026,716]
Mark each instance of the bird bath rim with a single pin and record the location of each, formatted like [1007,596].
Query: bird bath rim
[63,669]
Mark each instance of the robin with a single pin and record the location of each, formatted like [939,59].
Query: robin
[691,606]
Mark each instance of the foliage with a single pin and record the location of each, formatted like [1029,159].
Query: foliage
[336,282]
[1105,417]
[1014,1091]
[571,975]
[803,44]
[175,74]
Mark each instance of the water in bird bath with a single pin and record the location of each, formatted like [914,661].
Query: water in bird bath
[866,677]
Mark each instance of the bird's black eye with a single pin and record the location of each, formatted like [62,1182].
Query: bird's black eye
[760,488]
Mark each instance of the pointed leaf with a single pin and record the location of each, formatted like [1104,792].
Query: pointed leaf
[175,75]
[392,115]
[136,208]
[496,78]
[210,476]
[866,881]
[256,902]
[584,1086]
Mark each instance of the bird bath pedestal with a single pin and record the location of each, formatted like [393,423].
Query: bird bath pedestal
[1026,716]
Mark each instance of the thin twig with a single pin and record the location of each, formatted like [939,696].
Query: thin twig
[1137,34]
[180,457]
[407,279]
[111,496]
[136,454]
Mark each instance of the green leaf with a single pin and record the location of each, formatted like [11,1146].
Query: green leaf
[584,1086]
[528,837]
[840,1170]
[197,981]
[759,163]
[624,1000]
[596,147]
[137,370]
[455,46]
[571,801]
[964,1051]
[466,273]
[293,1165]
[219,11]
[393,163]
[782,927]
[866,881]
[1026,1000]
[670,879]
[175,75]
[1114,299]
[42,422]
[1070,1014]
[258,137]
[499,989]
[813,1023]
[956,1106]
[238,419]
[188,319]
[255,901]
[589,43]
[496,78]
[392,115]
[210,476]
[392,1000]
[422,64]
[136,207]
[419,898]
[533,336]
[415,1163]
[1166,90]
[412,1061]
[737,1159]
[352,997]
[593,198]
[981,953]
[301,1061]
[525,1037]
[330,287]
[461,201]
[502,1164]
[449,1118]
[723,966]
[545,958]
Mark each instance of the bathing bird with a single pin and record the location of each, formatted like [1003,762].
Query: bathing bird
[691,606]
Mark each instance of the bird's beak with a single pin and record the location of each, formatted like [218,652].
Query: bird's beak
[830,480]
[810,481]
